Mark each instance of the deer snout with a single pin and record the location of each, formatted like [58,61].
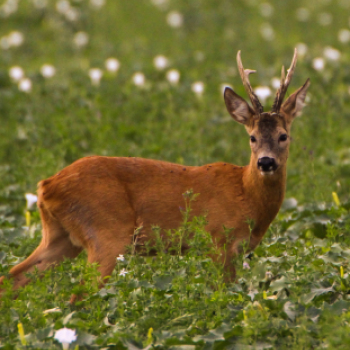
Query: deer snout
[267,165]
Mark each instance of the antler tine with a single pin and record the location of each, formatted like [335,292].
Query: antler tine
[291,68]
[244,73]
[283,76]
[285,80]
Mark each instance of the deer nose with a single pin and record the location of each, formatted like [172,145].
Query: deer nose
[267,164]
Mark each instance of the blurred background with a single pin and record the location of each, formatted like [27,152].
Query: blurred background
[145,78]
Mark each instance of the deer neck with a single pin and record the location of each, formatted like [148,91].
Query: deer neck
[264,196]
[264,193]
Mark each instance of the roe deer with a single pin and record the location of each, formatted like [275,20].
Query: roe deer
[97,202]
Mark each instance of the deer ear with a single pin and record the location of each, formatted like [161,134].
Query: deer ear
[239,109]
[295,103]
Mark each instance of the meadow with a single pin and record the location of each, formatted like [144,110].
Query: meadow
[145,78]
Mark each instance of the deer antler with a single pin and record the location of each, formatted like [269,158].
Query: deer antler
[285,80]
[244,73]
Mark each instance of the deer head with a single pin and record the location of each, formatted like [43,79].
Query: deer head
[269,131]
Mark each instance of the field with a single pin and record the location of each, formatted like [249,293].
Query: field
[159,96]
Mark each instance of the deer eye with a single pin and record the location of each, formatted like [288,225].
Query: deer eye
[252,138]
[283,137]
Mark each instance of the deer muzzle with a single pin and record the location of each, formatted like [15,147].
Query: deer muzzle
[267,165]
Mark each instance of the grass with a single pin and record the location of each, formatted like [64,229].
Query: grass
[292,291]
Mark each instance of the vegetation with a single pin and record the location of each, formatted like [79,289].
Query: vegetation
[293,290]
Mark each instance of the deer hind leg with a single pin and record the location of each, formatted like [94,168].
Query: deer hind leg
[107,250]
[54,247]
[111,243]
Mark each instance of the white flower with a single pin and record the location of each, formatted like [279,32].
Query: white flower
[80,39]
[275,83]
[302,14]
[123,272]
[47,70]
[266,9]
[120,257]
[25,85]
[173,76]
[174,19]
[139,79]
[263,92]
[15,38]
[112,64]
[331,54]
[21,134]
[198,87]
[325,19]
[302,49]
[344,35]
[160,62]
[72,14]
[318,63]
[267,31]
[39,4]
[65,336]
[62,6]
[97,3]
[16,73]
[31,199]
[9,7]
[246,266]
[160,3]
[95,75]
[199,56]
[290,203]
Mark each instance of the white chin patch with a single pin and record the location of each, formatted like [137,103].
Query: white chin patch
[267,173]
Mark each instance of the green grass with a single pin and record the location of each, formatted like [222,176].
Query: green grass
[295,294]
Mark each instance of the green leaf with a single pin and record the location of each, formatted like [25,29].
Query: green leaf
[289,204]
[289,309]
[68,317]
[3,256]
[162,282]
[279,284]
[14,315]
[213,335]
[45,333]
[319,230]
[85,338]
[132,345]
[338,308]
[315,292]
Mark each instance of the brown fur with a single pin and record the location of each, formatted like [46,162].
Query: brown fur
[97,202]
